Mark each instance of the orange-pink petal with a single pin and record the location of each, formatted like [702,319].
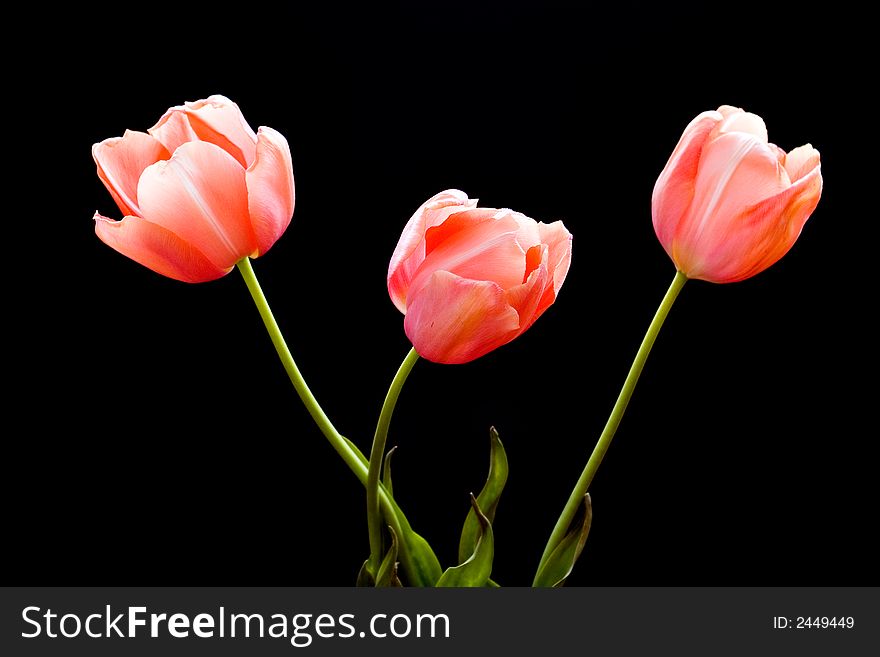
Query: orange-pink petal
[763,232]
[558,258]
[736,171]
[478,243]
[270,188]
[410,250]
[121,161]
[558,240]
[801,161]
[526,297]
[220,121]
[174,129]
[455,320]
[157,248]
[737,120]
[216,120]
[674,189]
[200,195]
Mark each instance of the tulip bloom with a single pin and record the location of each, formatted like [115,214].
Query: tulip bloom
[198,191]
[729,204]
[471,279]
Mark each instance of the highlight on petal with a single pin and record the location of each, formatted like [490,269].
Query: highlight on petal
[801,161]
[270,188]
[410,250]
[219,120]
[478,243]
[200,195]
[528,234]
[558,240]
[455,320]
[527,298]
[674,189]
[216,120]
[173,129]
[737,120]
[157,248]
[122,160]
[764,232]
[736,171]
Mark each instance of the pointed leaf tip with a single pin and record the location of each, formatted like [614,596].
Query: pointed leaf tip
[488,497]
[419,563]
[386,471]
[476,570]
[364,578]
[387,575]
[561,561]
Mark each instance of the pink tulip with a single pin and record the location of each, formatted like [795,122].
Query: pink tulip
[471,279]
[729,204]
[199,191]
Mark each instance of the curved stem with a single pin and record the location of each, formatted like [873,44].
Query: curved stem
[374,523]
[339,443]
[586,478]
[350,454]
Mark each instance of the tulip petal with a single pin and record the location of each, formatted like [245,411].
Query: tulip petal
[558,259]
[528,234]
[200,195]
[740,121]
[157,248]
[527,298]
[736,171]
[764,232]
[674,189]
[220,121]
[270,188]
[479,243]
[410,250]
[122,160]
[455,320]
[728,110]
[801,161]
[558,239]
[216,120]
[174,129]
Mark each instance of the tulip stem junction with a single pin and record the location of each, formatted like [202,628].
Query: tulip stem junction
[377,452]
[350,454]
[586,478]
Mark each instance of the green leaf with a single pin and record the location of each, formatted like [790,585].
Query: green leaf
[561,561]
[357,452]
[488,497]
[417,559]
[387,575]
[476,570]
[420,564]
[364,577]
[386,472]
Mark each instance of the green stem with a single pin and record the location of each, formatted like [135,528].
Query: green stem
[586,478]
[339,443]
[349,453]
[374,520]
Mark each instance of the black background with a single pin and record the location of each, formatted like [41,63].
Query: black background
[152,436]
